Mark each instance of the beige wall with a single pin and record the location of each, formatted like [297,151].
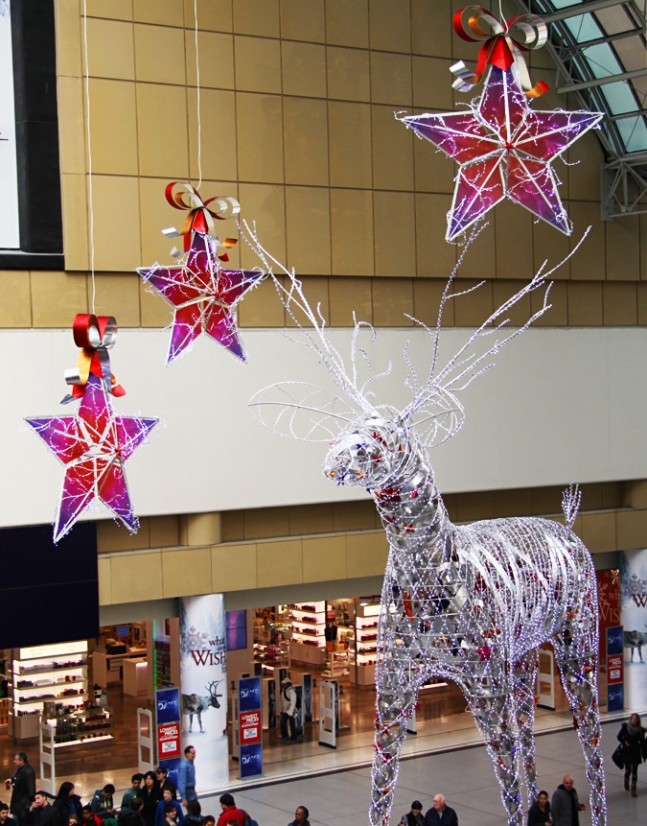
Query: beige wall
[297,120]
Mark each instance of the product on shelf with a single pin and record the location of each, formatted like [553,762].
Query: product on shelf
[47,674]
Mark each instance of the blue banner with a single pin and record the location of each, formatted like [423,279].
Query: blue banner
[251,760]
[249,693]
[168,705]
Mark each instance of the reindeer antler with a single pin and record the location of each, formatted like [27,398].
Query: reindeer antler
[435,402]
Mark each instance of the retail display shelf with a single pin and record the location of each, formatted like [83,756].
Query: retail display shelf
[47,669]
[82,741]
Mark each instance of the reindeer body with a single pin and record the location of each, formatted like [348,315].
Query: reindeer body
[196,703]
[471,604]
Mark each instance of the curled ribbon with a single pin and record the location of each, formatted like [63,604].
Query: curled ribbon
[95,335]
[503,46]
[201,216]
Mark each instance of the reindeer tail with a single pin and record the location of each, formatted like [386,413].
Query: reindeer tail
[571,500]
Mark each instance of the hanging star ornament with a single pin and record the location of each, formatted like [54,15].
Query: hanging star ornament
[204,296]
[504,150]
[94,445]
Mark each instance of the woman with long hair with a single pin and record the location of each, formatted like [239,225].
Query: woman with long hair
[66,805]
[632,740]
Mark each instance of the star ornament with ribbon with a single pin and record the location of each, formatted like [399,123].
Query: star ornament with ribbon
[94,445]
[204,296]
[504,150]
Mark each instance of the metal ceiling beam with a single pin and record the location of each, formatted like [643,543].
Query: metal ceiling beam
[638,113]
[601,81]
[611,38]
[582,8]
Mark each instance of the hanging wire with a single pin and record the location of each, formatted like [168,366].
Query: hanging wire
[197,81]
[87,121]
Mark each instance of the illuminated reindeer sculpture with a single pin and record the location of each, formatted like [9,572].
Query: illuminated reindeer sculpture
[472,603]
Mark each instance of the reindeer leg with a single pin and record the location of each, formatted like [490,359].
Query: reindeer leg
[577,657]
[395,703]
[190,723]
[494,716]
[524,708]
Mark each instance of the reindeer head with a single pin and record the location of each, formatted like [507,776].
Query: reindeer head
[212,688]
[370,451]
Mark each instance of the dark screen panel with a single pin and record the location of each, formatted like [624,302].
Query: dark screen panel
[48,593]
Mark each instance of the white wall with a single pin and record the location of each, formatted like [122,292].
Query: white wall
[561,405]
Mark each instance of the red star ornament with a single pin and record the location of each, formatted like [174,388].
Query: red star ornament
[204,297]
[504,149]
[94,446]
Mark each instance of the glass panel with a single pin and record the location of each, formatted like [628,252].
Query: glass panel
[634,133]
[584,27]
[619,97]
[602,60]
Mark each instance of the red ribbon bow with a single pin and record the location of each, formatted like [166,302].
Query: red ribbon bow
[95,335]
[200,217]
[503,46]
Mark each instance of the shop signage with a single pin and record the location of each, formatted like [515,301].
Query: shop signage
[168,725]
[168,741]
[203,669]
[615,669]
[633,617]
[250,727]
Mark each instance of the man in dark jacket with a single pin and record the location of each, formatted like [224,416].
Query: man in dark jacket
[39,813]
[565,805]
[23,785]
[441,813]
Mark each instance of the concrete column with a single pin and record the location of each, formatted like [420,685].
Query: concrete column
[201,529]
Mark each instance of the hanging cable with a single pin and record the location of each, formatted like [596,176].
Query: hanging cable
[87,121]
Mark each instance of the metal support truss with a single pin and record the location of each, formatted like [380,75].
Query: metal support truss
[624,188]
[624,175]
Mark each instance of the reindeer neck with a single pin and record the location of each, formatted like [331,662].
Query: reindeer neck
[411,506]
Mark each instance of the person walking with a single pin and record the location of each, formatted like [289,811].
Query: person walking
[288,710]
[565,804]
[441,813]
[414,817]
[539,812]
[632,739]
[22,784]
[186,776]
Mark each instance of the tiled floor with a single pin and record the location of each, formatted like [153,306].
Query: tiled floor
[464,776]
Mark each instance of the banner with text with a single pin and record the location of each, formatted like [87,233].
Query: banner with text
[204,687]
[633,609]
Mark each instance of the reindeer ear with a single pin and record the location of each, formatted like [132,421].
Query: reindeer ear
[438,419]
[301,411]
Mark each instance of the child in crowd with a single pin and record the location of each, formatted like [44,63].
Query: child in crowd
[160,812]
[171,814]
[131,794]
[5,817]
[193,815]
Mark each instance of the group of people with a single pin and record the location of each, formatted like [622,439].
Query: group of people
[152,800]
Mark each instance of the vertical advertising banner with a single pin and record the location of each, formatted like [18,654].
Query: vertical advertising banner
[608,606]
[615,669]
[168,725]
[203,665]
[633,610]
[250,726]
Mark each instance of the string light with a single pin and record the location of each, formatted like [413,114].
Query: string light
[473,603]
